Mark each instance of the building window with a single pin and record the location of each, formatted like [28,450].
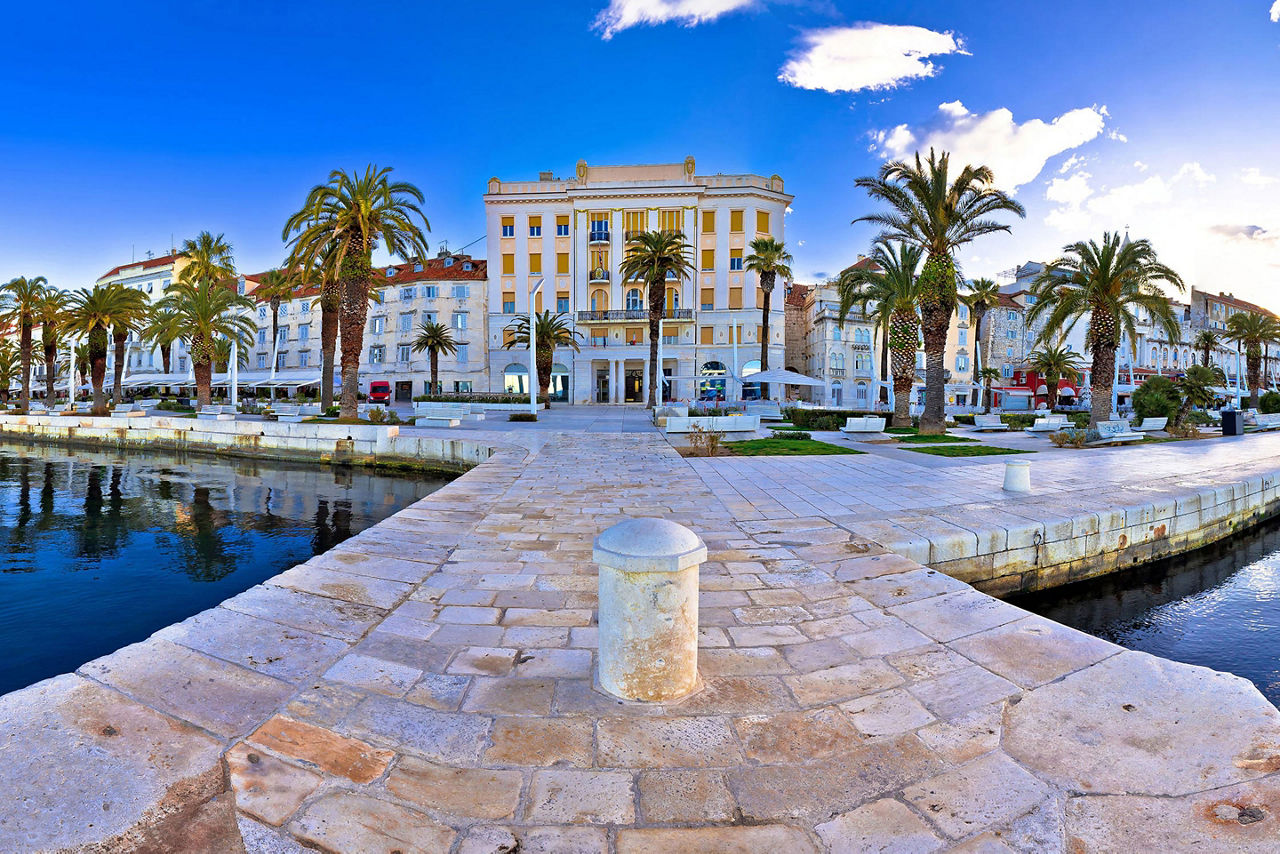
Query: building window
[280,360]
[417,266]
[462,291]
[708,222]
[283,337]
[962,311]
[262,337]
[430,292]
[1011,334]
[562,305]
[508,226]
[407,294]
[735,259]
[1013,316]
[305,307]
[428,317]
[403,353]
[463,353]
[462,386]
[459,320]
[377,354]
[1006,371]
[535,226]
[535,263]
[708,259]
[1008,352]
[599,227]
[406,323]
[964,335]
[284,309]
[837,361]
[262,361]
[262,312]
[304,359]
[509,305]
[562,226]
[508,264]
[762,222]
[962,363]
[562,263]
[378,325]
[634,300]
[735,222]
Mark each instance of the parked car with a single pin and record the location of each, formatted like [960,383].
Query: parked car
[379,391]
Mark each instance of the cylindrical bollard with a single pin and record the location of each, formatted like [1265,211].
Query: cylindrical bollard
[649,609]
[1017,476]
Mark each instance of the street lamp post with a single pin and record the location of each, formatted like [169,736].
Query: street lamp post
[533,366]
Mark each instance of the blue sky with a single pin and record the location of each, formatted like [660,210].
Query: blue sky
[130,122]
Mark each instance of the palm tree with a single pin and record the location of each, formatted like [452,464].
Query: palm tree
[1054,363]
[550,331]
[51,313]
[436,338]
[19,308]
[8,366]
[131,313]
[209,259]
[1253,331]
[1206,342]
[769,259]
[208,312]
[891,286]
[1197,387]
[656,257]
[274,287]
[986,376]
[1107,281]
[163,330]
[929,210]
[340,224]
[982,296]
[93,314]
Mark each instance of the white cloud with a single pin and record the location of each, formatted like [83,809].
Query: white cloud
[1079,204]
[1140,166]
[1070,191]
[1245,232]
[622,14]
[866,56]
[1116,135]
[1017,153]
[1075,161]
[1275,11]
[1253,175]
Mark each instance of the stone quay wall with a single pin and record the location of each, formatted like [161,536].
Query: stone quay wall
[355,444]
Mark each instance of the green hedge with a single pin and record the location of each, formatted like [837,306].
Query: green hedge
[830,419]
[1269,402]
[477,397]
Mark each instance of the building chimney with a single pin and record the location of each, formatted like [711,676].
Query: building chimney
[546,176]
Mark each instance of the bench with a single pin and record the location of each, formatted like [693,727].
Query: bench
[462,411]
[441,416]
[288,413]
[988,422]
[127,410]
[714,423]
[84,408]
[863,424]
[767,410]
[1116,433]
[1046,424]
[215,413]
[34,408]
[1151,425]
[309,409]
[148,403]
[1266,421]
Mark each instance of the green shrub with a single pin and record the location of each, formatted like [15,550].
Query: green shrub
[964,419]
[709,411]
[1019,420]
[1269,402]
[332,412]
[1156,398]
[522,416]
[791,435]
[1198,418]
[807,419]
[377,416]
[476,397]
[174,406]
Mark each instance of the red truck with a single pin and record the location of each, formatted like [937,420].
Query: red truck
[379,391]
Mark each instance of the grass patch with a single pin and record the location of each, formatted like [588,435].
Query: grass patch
[785,448]
[926,439]
[319,420]
[902,431]
[784,426]
[968,451]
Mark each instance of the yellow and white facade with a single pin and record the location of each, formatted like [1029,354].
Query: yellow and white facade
[571,235]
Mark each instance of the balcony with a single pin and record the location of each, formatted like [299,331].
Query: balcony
[835,372]
[631,235]
[598,237]
[632,314]
[599,274]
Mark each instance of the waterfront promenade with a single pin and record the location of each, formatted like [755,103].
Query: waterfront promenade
[427,685]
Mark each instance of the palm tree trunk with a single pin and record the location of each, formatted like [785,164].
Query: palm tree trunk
[50,365]
[204,382]
[904,374]
[118,373]
[767,280]
[986,400]
[165,350]
[24,398]
[1052,388]
[435,373]
[657,308]
[979,346]
[884,366]
[330,301]
[355,277]
[937,305]
[98,376]
[1253,363]
[1103,375]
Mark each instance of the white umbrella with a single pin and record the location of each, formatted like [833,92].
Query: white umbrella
[782,376]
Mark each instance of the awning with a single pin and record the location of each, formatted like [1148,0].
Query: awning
[782,376]
[144,380]
[1013,392]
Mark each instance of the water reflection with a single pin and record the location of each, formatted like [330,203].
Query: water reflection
[100,549]
[1218,607]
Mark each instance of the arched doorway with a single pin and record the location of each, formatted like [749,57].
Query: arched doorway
[712,385]
[559,389]
[515,379]
[750,391]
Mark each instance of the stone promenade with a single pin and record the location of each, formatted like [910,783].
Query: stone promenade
[427,687]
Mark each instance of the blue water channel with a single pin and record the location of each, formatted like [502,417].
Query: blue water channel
[100,549]
[1218,607]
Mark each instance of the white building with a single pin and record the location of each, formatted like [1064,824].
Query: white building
[571,234]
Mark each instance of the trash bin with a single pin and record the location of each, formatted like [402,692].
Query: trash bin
[1232,422]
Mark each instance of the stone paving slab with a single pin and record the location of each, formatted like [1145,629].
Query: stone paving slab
[854,700]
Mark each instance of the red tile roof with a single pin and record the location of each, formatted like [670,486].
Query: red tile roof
[145,264]
[434,270]
[1007,301]
[798,295]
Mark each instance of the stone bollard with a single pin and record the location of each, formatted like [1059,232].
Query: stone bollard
[649,609]
[1017,476]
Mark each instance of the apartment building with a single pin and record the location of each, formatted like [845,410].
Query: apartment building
[450,289]
[151,276]
[845,355]
[567,236]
